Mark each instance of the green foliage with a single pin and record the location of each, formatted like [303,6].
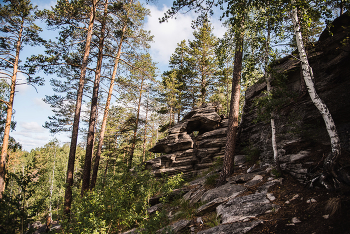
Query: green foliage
[16,210]
[252,153]
[212,220]
[120,205]
[279,98]
[211,180]
[156,222]
[171,183]
[218,163]
[276,173]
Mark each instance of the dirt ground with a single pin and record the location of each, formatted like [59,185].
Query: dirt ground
[318,210]
[327,213]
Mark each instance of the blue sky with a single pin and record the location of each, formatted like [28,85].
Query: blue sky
[30,110]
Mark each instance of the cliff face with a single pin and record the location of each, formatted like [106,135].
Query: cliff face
[302,139]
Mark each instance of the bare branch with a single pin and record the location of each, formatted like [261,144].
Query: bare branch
[7,61]
[7,103]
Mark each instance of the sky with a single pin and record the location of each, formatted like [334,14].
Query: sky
[31,111]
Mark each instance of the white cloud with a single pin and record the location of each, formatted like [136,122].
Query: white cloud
[31,135]
[21,86]
[46,5]
[31,127]
[39,102]
[168,34]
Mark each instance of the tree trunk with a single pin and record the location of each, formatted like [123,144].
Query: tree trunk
[93,112]
[51,190]
[136,126]
[228,166]
[341,6]
[268,86]
[73,145]
[9,105]
[105,115]
[331,159]
[145,135]
[227,91]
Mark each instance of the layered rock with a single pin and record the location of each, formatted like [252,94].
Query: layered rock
[193,144]
[302,139]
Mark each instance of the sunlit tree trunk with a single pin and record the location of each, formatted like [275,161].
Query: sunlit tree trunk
[74,139]
[145,135]
[9,105]
[330,161]
[227,92]
[93,112]
[105,115]
[268,86]
[51,190]
[133,144]
[228,166]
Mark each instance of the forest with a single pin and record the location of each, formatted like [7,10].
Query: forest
[112,100]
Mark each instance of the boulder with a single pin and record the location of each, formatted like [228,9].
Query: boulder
[211,206]
[243,208]
[254,181]
[172,143]
[226,190]
[203,122]
[212,143]
[232,228]
[179,127]
[217,133]
[154,208]
[176,227]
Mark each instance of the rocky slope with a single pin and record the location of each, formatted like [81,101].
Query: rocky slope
[254,200]
[199,139]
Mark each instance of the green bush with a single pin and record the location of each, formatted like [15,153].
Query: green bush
[210,181]
[120,205]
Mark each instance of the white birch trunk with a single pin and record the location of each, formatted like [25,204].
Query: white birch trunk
[268,87]
[329,162]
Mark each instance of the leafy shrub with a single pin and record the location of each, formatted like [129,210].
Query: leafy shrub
[252,153]
[210,181]
[15,213]
[120,205]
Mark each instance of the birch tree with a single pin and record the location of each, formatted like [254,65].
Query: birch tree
[331,159]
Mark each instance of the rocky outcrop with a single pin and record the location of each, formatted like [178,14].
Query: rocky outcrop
[192,145]
[238,203]
[302,140]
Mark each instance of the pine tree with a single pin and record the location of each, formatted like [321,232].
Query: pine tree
[72,18]
[182,63]
[94,102]
[202,50]
[131,40]
[18,28]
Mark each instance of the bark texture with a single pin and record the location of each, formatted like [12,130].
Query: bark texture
[330,161]
[228,166]
[73,145]
[94,105]
[9,104]
[106,111]
[136,125]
